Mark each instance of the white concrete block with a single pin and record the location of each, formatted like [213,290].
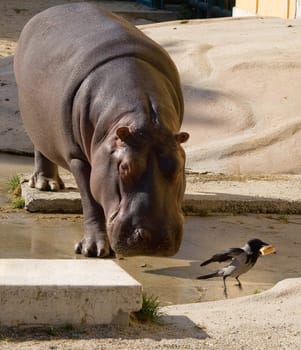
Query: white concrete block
[60,292]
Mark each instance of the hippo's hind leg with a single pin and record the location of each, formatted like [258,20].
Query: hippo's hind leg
[45,176]
[95,242]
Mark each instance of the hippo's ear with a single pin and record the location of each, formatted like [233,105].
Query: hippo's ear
[181,137]
[123,133]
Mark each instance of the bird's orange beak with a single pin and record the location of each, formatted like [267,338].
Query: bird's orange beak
[267,249]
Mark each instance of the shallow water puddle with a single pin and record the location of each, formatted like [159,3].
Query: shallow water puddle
[173,280]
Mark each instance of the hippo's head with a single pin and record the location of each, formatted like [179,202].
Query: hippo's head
[138,178]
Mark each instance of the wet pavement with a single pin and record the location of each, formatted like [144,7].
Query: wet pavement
[172,280]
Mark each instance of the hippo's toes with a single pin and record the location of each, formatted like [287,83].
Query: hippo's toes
[43,183]
[92,248]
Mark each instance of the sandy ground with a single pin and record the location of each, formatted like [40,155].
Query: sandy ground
[241,82]
[271,320]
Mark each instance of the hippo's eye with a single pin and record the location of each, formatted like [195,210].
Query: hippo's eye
[169,166]
[127,171]
[124,171]
[131,167]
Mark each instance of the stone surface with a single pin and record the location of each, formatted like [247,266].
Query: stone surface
[60,292]
[243,194]
[64,201]
[269,320]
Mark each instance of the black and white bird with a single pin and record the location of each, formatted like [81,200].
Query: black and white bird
[242,260]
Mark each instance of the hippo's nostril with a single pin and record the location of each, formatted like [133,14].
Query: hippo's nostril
[141,234]
[138,234]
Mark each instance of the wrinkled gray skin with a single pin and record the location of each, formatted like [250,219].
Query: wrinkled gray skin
[100,99]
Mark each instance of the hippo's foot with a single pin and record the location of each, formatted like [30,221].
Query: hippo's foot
[93,246]
[45,176]
[45,183]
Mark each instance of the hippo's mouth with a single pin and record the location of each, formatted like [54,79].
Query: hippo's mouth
[135,248]
[130,241]
[146,238]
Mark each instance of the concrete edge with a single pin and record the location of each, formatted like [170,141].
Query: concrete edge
[200,205]
[79,292]
[205,195]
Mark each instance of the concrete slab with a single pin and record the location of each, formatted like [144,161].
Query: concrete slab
[213,193]
[64,201]
[60,292]
[205,194]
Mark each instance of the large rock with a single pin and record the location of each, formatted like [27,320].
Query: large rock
[241,81]
[270,320]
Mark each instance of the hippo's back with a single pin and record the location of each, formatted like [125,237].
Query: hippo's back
[70,41]
[57,50]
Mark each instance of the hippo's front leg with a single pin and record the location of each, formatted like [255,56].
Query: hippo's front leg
[45,176]
[95,241]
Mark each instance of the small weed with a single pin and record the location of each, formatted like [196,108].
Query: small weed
[14,188]
[257,291]
[18,203]
[150,310]
[283,218]
[14,184]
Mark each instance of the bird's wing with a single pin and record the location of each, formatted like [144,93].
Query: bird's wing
[225,255]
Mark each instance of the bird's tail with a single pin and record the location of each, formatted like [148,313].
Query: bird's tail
[206,262]
[210,275]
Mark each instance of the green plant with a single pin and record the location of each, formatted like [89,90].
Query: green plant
[14,187]
[14,184]
[257,291]
[18,203]
[150,310]
[283,218]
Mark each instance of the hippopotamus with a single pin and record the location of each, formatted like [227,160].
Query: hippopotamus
[102,100]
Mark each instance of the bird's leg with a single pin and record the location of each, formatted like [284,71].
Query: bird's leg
[238,284]
[225,288]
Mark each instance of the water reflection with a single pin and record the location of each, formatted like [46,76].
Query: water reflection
[25,235]
[31,236]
